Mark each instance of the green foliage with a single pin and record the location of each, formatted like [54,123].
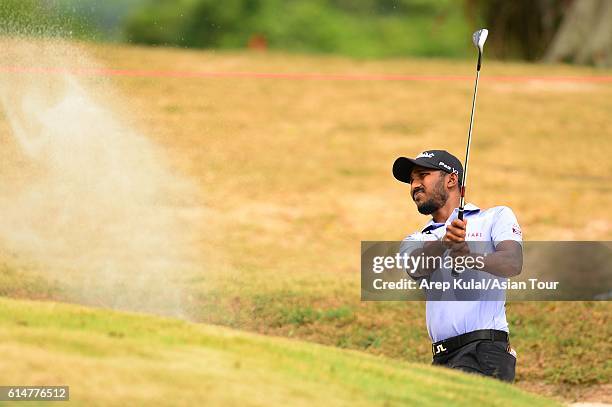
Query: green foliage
[104,19]
[16,14]
[365,28]
[191,23]
[51,18]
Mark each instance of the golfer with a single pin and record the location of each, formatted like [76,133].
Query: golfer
[468,335]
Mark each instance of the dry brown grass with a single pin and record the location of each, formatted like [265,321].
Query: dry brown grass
[277,153]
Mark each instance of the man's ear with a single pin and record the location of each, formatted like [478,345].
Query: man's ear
[453,181]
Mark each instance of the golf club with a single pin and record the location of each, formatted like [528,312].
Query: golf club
[478,38]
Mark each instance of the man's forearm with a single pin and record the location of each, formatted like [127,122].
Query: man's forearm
[424,268]
[504,263]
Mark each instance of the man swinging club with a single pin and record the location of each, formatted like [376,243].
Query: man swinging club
[468,335]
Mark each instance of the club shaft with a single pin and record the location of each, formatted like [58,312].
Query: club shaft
[469,143]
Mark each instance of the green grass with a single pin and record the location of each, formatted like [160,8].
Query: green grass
[130,359]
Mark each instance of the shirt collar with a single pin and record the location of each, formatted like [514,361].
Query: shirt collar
[469,207]
[431,225]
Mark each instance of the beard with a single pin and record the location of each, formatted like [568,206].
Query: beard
[436,201]
[428,207]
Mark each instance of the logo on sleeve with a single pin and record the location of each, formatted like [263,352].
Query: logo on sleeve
[517,230]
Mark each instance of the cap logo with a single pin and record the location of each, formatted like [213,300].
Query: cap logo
[448,167]
[424,154]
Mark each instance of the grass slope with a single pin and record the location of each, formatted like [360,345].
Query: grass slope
[114,358]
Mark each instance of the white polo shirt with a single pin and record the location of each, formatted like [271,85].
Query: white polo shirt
[446,319]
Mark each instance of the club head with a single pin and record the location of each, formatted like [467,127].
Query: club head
[479,38]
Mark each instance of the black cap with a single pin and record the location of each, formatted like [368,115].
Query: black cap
[434,159]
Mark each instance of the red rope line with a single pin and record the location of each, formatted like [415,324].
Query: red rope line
[294,75]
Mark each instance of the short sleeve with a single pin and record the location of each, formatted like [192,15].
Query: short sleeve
[414,237]
[505,226]
[411,242]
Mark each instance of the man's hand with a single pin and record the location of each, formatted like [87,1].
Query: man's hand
[454,239]
[455,232]
[506,261]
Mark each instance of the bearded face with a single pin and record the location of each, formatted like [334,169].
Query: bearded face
[428,190]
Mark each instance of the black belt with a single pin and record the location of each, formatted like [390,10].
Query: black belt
[448,345]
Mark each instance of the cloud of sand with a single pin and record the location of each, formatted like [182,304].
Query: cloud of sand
[85,197]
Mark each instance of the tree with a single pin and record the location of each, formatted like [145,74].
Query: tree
[585,35]
[520,29]
[577,31]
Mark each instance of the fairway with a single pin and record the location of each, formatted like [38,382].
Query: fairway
[130,359]
[286,176]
